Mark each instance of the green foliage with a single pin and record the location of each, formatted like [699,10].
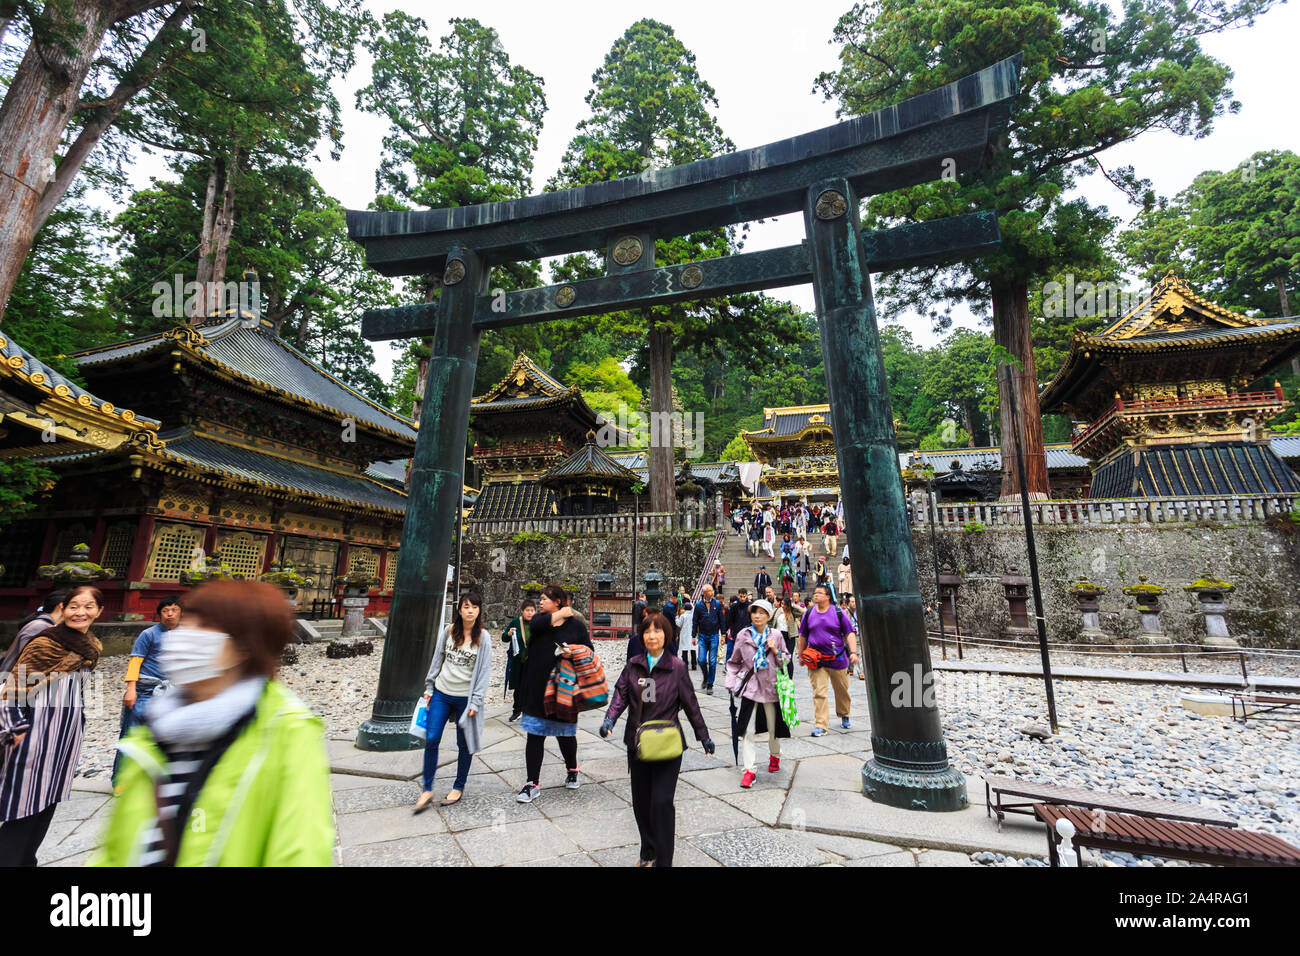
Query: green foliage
[1234,235]
[737,450]
[523,537]
[973,527]
[21,481]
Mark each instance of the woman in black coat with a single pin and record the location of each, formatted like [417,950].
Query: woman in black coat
[553,631]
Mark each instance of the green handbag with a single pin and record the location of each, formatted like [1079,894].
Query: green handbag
[656,740]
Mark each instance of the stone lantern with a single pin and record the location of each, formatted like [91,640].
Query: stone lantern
[653,585]
[604,585]
[356,596]
[1210,593]
[1147,597]
[1016,586]
[949,583]
[1087,593]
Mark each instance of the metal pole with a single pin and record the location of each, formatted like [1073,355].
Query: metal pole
[1033,553]
[636,523]
[956,626]
[934,553]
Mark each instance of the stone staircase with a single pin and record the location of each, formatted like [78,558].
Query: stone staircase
[741,567]
[332,629]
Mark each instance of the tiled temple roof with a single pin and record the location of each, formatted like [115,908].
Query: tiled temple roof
[248,349]
[17,362]
[1218,468]
[589,462]
[508,499]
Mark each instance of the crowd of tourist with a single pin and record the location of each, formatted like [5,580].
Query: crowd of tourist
[203,716]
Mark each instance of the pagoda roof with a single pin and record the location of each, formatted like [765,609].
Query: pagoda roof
[589,461]
[1217,468]
[185,452]
[18,363]
[504,500]
[527,385]
[1172,319]
[246,348]
[791,422]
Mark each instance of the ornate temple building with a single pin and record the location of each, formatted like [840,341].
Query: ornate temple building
[249,449]
[797,449]
[588,482]
[527,424]
[1164,396]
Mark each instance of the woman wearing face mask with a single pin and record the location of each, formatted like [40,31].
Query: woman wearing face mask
[42,720]
[455,689]
[229,767]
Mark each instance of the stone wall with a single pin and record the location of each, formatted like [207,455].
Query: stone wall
[1262,561]
[498,565]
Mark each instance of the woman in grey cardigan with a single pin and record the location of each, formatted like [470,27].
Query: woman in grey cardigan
[455,689]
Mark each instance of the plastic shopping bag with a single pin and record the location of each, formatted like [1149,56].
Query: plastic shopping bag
[420,722]
[785,697]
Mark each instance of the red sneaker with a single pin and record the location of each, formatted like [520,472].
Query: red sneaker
[748,779]
[773,764]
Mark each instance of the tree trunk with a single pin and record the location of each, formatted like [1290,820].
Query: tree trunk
[1011,330]
[422,366]
[1281,294]
[207,233]
[36,109]
[215,296]
[662,485]
[968,424]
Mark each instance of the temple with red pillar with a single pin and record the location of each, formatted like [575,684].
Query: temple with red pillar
[235,443]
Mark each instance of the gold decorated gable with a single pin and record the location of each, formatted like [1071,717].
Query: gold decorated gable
[1172,307]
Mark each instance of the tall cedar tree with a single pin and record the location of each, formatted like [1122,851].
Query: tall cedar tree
[651,109]
[1092,78]
[84,61]
[463,126]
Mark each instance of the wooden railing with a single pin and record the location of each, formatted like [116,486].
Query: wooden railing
[580,524]
[1104,511]
[1216,401]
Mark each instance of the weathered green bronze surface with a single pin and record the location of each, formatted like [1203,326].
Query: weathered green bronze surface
[434,499]
[909,764]
[945,240]
[907,143]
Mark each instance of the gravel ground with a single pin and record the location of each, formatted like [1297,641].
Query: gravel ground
[1263,662]
[1130,737]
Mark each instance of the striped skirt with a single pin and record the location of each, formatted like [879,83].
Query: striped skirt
[38,772]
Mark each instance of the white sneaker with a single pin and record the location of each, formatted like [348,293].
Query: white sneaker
[529,793]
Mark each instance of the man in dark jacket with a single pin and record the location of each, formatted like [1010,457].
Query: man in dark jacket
[762,580]
[737,619]
[708,620]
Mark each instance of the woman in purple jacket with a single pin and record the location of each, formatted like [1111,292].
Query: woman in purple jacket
[656,686]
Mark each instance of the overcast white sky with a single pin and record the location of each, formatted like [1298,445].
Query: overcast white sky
[762,61]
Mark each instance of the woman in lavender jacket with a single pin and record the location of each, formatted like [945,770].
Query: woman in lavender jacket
[656,686]
[751,675]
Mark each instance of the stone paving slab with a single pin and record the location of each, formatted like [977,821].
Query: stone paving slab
[759,846]
[695,817]
[763,805]
[842,847]
[600,829]
[439,849]
[852,814]
[898,858]
[685,854]
[947,858]
[588,798]
[378,797]
[569,859]
[346,757]
[527,842]
[380,826]
[476,810]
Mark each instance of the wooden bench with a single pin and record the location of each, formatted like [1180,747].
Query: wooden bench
[1277,708]
[1172,839]
[1034,793]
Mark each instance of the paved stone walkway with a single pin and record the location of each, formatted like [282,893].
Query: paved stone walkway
[810,813]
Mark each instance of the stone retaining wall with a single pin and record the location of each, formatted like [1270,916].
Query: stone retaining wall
[1262,561]
[498,565]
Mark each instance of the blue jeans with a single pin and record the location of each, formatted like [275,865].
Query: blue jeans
[442,709]
[730,644]
[708,654]
[130,717]
[801,577]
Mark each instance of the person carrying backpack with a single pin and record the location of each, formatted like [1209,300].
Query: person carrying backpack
[828,644]
[707,623]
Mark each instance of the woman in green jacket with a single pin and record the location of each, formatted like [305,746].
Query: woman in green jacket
[229,768]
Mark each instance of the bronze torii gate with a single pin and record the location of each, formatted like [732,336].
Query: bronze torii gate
[822,173]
